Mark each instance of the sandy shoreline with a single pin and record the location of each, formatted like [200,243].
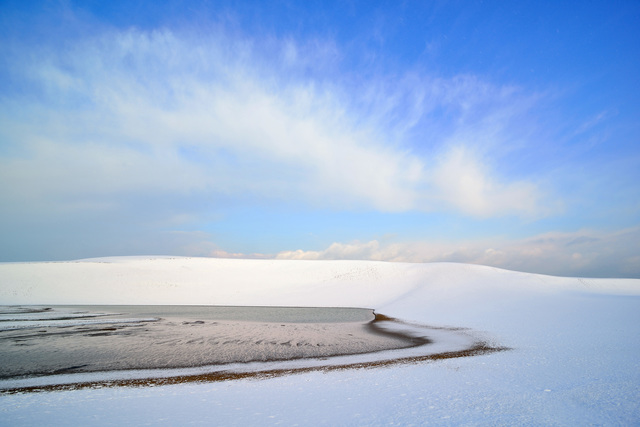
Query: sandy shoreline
[69,347]
[56,341]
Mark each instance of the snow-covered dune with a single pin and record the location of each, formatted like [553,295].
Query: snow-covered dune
[147,280]
[140,280]
[574,359]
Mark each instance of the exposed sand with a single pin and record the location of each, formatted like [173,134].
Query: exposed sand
[68,348]
[58,341]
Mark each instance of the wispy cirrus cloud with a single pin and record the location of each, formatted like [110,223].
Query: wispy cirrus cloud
[169,114]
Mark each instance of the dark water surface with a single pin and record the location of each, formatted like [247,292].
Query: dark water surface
[237,313]
[49,340]
[46,348]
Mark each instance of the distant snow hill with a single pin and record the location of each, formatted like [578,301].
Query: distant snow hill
[205,281]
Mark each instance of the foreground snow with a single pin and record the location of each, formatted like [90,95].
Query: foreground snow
[574,358]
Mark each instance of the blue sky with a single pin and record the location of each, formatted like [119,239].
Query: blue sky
[498,133]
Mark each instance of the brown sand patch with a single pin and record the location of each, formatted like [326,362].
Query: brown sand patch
[480,348]
[174,343]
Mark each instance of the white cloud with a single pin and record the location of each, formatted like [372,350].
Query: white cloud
[464,181]
[356,250]
[164,113]
[581,253]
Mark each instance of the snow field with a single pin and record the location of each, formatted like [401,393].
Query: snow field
[574,358]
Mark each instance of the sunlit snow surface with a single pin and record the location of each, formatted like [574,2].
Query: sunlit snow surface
[574,358]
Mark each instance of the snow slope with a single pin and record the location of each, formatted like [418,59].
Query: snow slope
[574,359]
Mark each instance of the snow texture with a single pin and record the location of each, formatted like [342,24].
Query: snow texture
[574,357]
